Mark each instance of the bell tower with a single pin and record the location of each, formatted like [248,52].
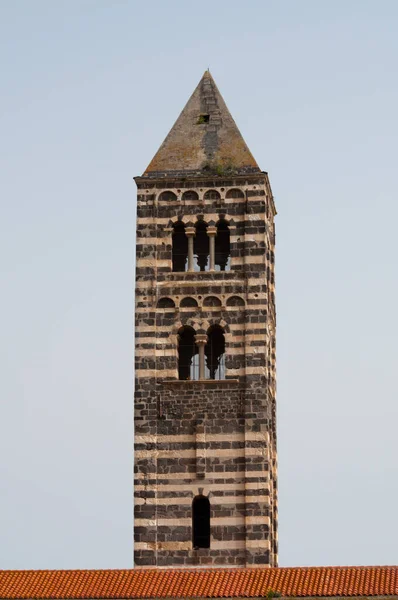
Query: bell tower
[204,412]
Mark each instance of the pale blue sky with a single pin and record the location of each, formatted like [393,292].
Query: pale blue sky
[89,89]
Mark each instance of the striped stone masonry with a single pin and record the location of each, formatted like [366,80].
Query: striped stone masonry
[209,437]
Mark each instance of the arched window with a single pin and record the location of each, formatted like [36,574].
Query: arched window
[222,247]
[188,302]
[165,303]
[190,195]
[211,301]
[201,522]
[201,247]
[235,301]
[180,247]
[167,196]
[235,193]
[215,353]
[188,357]
[212,195]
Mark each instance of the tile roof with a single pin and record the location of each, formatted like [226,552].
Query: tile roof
[198,583]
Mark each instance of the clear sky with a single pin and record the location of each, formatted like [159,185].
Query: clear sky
[89,88]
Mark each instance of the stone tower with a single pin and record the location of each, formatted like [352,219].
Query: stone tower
[205,432]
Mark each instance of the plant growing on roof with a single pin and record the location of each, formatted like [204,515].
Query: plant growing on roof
[273,594]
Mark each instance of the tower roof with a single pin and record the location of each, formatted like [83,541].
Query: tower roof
[204,138]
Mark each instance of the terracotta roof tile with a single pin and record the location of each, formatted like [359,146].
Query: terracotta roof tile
[197,583]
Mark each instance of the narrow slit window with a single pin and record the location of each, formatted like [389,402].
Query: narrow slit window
[201,522]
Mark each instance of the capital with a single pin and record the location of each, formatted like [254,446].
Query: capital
[190,231]
[201,339]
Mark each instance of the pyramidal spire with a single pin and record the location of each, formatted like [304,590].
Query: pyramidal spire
[204,139]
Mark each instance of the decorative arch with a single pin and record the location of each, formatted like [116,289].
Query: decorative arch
[212,301]
[207,323]
[189,302]
[201,522]
[190,195]
[212,195]
[235,193]
[165,303]
[167,196]
[179,325]
[197,322]
[180,247]
[235,301]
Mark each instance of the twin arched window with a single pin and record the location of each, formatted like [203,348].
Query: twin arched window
[195,250]
[201,355]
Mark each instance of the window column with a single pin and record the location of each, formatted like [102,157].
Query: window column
[190,233]
[212,232]
[201,341]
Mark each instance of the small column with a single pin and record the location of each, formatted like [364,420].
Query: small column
[201,341]
[190,233]
[212,232]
